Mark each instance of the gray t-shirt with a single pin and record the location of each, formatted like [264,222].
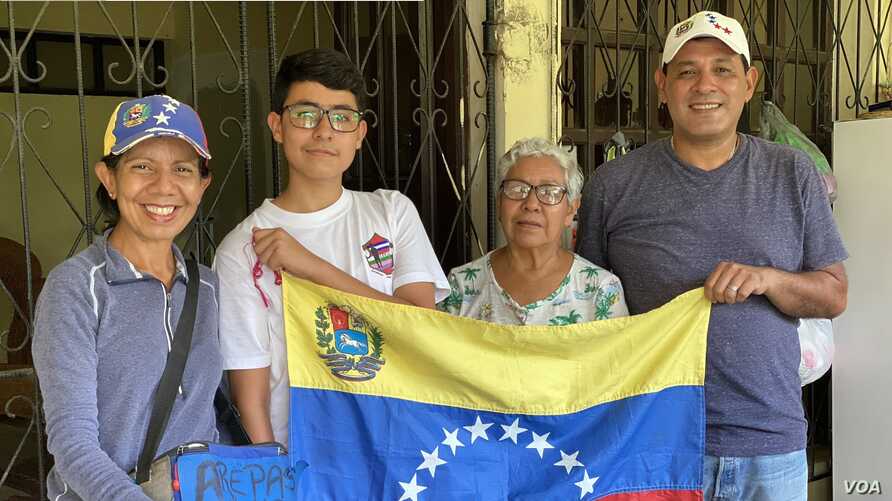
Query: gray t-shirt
[662,226]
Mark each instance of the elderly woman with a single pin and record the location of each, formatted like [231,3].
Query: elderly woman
[532,280]
[106,317]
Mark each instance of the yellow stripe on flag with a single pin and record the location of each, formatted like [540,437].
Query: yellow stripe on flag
[437,358]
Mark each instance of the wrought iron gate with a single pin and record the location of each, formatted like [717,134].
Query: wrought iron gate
[425,76]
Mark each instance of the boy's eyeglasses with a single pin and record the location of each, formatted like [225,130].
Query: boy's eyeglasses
[548,194]
[308,116]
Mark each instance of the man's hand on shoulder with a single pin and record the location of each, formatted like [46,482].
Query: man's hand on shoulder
[732,282]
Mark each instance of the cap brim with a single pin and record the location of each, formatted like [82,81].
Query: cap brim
[684,40]
[132,141]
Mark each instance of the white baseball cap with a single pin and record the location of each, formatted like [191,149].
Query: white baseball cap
[706,24]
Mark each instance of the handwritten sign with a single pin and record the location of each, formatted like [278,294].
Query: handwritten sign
[204,477]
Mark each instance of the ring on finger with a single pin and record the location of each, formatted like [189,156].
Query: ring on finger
[733,289]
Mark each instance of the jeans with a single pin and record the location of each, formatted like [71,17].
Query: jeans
[781,477]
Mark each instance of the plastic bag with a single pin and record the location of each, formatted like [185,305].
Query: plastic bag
[776,128]
[816,347]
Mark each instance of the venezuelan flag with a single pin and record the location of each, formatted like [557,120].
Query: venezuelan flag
[391,402]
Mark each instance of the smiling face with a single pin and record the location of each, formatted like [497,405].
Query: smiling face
[321,153]
[157,187]
[529,223]
[705,87]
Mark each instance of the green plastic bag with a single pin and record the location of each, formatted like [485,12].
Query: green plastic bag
[776,128]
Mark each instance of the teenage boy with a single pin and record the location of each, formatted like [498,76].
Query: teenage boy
[370,244]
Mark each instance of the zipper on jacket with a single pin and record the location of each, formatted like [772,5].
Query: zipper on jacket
[168,331]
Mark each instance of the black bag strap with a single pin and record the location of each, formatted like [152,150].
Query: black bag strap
[173,374]
[229,420]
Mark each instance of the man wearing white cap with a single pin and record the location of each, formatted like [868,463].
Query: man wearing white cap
[750,222]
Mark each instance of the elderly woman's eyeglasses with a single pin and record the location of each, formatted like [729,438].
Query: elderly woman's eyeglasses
[548,194]
[308,116]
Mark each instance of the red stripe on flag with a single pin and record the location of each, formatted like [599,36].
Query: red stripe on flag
[664,495]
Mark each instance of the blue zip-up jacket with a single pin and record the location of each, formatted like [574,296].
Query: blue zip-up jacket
[101,338]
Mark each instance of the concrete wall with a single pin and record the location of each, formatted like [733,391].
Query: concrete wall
[527,39]
[528,57]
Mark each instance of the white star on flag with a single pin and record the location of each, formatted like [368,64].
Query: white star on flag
[161,118]
[540,443]
[411,489]
[452,440]
[170,107]
[431,461]
[586,485]
[512,431]
[569,461]
[478,430]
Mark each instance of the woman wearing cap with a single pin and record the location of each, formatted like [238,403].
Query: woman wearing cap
[106,317]
[532,280]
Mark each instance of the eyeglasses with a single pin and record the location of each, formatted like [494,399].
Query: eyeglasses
[548,194]
[308,116]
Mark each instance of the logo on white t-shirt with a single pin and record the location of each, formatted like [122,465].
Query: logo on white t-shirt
[379,254]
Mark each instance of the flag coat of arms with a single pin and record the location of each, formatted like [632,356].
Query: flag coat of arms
[392,402]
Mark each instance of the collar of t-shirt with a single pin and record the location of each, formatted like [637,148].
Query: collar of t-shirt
[284,218]
[696,173]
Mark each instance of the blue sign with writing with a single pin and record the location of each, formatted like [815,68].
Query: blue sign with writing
[236,474]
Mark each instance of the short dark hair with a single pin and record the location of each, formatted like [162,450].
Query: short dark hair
[328,67]
[110,206]
[746,65]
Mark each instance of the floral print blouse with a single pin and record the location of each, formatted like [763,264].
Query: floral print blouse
[587,293]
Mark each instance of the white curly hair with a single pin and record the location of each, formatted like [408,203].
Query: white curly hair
[541,147]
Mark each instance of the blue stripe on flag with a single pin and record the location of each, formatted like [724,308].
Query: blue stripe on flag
[375,448]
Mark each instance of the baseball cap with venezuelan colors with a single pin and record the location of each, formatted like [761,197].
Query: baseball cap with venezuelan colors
[706,24]
[153,116]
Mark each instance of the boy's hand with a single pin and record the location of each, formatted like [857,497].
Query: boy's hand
[278,250]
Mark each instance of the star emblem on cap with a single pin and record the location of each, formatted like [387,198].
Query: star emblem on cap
[161,118]
[170,107]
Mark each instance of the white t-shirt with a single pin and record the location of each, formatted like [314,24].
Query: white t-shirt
[376,237]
